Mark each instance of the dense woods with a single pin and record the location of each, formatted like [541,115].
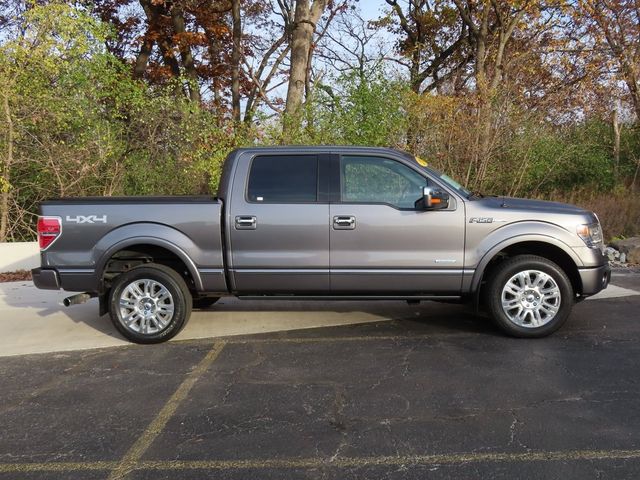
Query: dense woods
[135,97]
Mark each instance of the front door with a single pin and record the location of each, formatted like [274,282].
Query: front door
[381,244]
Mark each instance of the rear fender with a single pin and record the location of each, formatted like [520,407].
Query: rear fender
[154,234]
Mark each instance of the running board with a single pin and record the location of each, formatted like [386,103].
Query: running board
[349,297]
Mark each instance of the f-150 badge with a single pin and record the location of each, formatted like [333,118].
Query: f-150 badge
[484,220]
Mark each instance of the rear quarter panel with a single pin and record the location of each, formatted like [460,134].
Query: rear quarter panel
[93,231]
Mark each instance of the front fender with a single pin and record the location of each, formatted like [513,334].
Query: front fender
[153,234]
[478,257]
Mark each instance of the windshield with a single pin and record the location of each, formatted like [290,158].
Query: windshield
[446,179]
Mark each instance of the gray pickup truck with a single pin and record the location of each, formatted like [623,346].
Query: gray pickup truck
[322,223]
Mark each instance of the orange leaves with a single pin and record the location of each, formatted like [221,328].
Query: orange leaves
[220,29]
[187,39]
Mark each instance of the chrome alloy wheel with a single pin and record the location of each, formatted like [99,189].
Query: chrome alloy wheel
[146,306]
[531,298]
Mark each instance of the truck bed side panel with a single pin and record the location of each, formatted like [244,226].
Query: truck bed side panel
[94,229]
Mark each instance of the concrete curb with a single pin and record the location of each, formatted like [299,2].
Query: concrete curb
[19,256]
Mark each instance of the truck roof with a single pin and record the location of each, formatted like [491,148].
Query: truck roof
[320,149]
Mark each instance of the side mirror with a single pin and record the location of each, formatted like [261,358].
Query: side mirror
[432,199]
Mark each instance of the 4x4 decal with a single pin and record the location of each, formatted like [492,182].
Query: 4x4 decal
[86,219]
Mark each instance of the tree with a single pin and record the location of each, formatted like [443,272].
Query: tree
[305,19]
[197,46]
[432,38]
[57,88]
[615,24]
[236,55]
[498,30]
[265,66]
[353,45]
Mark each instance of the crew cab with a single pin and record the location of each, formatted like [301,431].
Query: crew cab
[321,223]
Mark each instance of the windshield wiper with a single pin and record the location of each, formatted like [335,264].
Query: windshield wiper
[476,195]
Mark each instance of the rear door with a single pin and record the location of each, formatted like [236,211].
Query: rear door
[279,225]
[380,243]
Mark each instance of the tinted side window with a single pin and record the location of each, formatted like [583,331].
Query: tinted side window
[284,179]
[380,180]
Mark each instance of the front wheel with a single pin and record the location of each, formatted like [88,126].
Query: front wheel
[529,296]
[150,303]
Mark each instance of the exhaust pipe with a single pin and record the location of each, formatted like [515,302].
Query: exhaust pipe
[76,299]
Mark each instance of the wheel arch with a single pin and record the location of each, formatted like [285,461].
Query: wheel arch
[151,246]
[543,246]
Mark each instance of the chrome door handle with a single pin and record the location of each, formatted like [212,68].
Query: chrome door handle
[246,222]
[347,222]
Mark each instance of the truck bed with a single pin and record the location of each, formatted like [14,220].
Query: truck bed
[94,228]
[141,199]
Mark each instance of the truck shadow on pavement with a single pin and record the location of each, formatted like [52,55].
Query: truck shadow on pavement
[36,321]
[26,307]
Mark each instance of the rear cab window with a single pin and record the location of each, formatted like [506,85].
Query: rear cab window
[283,179]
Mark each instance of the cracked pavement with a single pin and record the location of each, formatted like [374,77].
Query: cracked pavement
[433,393]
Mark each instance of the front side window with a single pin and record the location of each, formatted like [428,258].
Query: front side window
[380,180]
[283,179]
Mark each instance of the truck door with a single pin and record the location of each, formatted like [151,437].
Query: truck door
[380,243]
[278,225]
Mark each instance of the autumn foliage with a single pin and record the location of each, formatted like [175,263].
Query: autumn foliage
[524,98]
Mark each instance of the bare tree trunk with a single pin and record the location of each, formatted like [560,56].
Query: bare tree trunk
[187,57]
[260,84]
[143,56]
[483,126]
[630,73]
[301,39]
[235,60]
[4,199]
[635,175]
[164,44]
[304,26]
[483,150]
[616,143]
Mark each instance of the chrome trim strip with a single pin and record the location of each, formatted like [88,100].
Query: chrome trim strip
[429,271]
[211,270]
[349,297]
[280,270]
[76,270]
[359,271]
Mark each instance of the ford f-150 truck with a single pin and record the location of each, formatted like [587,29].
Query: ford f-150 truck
[322,223]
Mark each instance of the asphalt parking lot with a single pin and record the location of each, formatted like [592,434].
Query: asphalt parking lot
[433,392]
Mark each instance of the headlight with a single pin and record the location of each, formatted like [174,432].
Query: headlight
[591,235]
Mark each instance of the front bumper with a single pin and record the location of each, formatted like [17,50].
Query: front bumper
[45,279]
[594,279]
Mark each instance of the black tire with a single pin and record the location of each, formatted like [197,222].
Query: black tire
[163,326]
[204,302]
[530,299]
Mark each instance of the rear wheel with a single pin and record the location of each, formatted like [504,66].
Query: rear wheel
[529,296]
[150,303]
